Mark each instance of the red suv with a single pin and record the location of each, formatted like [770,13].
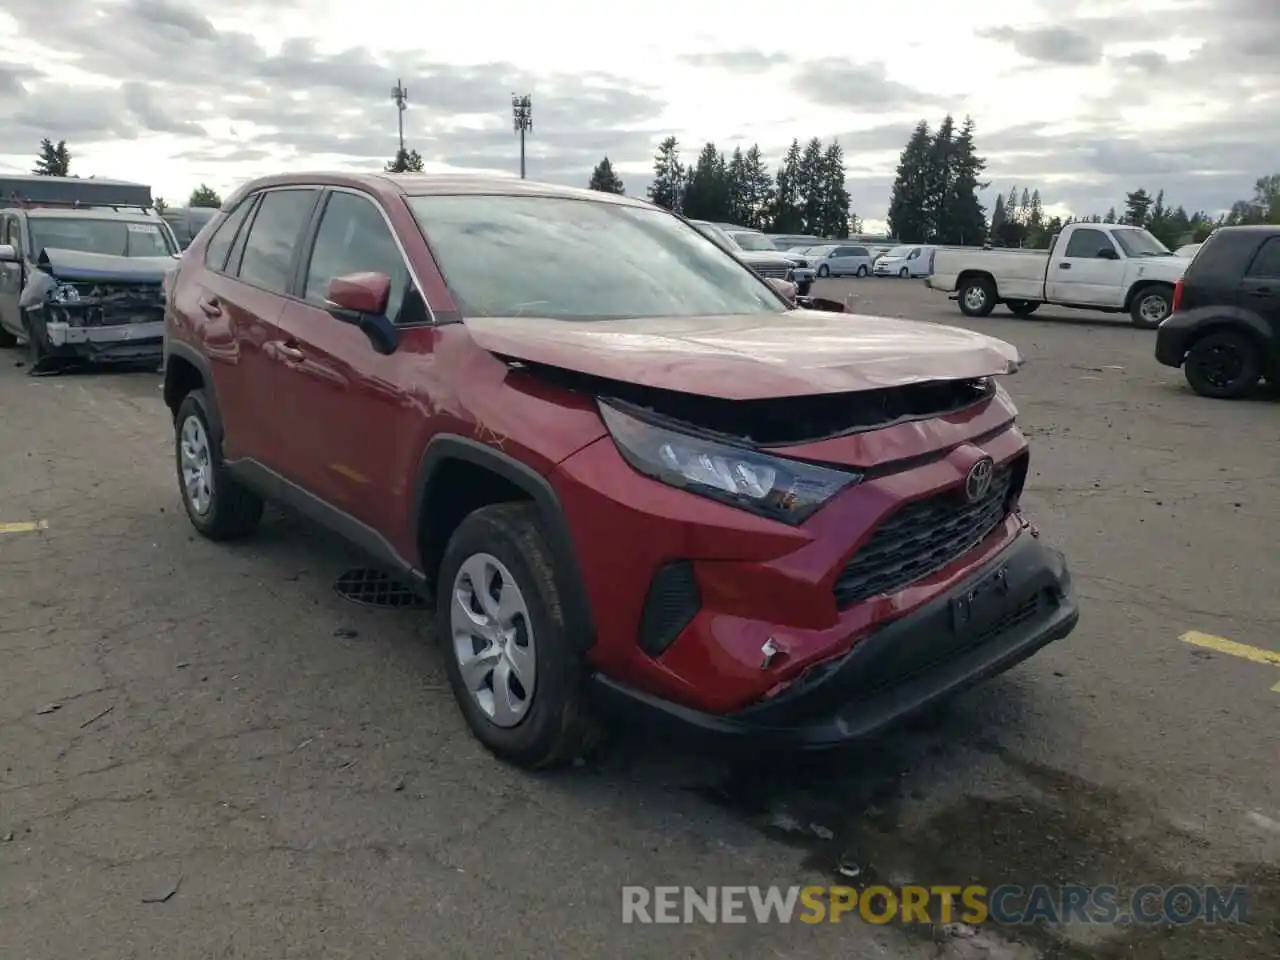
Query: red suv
[628,471]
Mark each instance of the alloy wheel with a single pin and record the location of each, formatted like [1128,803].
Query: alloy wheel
[197,465]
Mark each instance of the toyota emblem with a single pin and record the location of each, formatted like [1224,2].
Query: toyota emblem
[978,480]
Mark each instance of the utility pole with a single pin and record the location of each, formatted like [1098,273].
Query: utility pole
[522,121]
[401,97]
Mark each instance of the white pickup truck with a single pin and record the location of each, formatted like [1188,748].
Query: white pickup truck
[1088,266]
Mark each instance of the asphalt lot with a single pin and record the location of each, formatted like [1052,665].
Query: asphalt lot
[204,752]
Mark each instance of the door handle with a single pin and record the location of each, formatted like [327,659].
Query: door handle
[1065,266]
[291,353]
[210,307]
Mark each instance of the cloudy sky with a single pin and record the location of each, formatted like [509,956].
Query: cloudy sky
[1070,97]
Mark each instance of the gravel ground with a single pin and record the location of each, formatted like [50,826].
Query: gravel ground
[205,753]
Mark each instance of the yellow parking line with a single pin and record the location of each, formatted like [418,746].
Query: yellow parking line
[26,526]
[1230,647]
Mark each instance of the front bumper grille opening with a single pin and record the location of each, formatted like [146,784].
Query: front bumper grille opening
[925,536]
[671,605]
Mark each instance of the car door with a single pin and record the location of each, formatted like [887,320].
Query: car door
[11,274]
[1260,287]
[351,432]
[241,298]
[1089,271]
[838,261]
[860,257]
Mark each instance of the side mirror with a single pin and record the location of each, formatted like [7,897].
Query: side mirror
[8,254]
[360,299]
[784,287]
[1108,253]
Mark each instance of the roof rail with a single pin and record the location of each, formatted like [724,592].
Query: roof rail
[25,203]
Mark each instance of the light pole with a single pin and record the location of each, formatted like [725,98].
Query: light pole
[401,97]
[522,121]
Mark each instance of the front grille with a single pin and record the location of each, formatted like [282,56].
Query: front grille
[773,271]
[923,537]
[113,304]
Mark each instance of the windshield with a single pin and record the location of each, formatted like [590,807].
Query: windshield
[753,241]
[118,238]
[898,252]
[1136,242]
[570,259]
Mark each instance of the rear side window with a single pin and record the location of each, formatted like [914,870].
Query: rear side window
[1087,243]
[215,254]
[267,261]
[1267,262]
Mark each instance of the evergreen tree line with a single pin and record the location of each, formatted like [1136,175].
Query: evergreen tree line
[807,195]
[935,192]
[1018,220]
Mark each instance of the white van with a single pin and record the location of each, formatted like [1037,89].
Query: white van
[906,261]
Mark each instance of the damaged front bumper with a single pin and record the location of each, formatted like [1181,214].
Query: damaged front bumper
[120,343]
[1007,610]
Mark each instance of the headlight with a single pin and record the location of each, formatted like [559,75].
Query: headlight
[65,293]
[786,490]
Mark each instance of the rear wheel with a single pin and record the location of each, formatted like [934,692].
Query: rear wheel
[977,297]
[515,670]
[1022,308]
[1223,366]
[1150,306]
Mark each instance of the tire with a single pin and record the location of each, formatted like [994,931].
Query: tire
[904,274]
[551,724]
[824,271]
[1143,310]
[977,297]
[1223,366]
[229,511]
[862,270]
[1022,308]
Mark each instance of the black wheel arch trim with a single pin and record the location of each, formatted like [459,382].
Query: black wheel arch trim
[443,448]
[188,354]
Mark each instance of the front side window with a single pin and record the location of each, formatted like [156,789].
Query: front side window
[571,259]
[224,235]
[112,237]
[267,261]
[354,238]
[1087,243]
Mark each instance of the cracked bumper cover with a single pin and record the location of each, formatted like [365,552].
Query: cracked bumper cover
[974,632]
[125,341]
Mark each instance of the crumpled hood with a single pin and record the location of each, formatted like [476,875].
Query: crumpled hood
[800,353]
[89,267]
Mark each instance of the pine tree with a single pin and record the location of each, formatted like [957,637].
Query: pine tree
[204,196]
[1136,206]
[997,217]
[667,189]
[909,201]
[758,188]
[739,190]
[967,218]
[53,160]
[835,220]
[405,161]
[786,215]
[604,179]
[1110,216]
[941,179]
[707,197]
[811,184]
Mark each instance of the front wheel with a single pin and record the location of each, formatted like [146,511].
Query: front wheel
[904,273]
[1022,308]
[977,297]
[824,270]
[219,507]
[1223,366]
[516,672]
[1150,307]
[862,270]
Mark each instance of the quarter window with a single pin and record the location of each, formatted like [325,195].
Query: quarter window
[267,261]
[354,238]
[215,254]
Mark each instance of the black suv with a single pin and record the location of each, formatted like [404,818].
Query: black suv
[1225,327]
